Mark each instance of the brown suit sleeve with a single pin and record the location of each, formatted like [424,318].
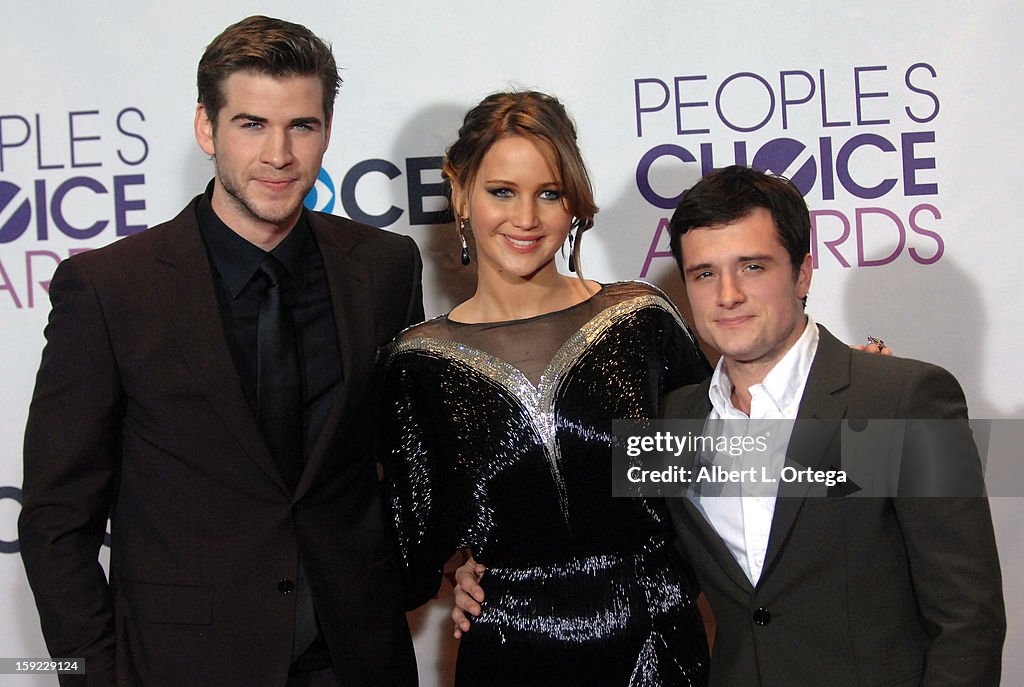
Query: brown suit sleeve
[71,457]
[414,312]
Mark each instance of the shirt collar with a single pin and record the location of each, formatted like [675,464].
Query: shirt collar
[236,260]
[784,384]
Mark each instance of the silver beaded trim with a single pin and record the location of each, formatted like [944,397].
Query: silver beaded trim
[538,401]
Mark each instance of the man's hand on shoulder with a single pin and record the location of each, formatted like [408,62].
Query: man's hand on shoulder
[469,595]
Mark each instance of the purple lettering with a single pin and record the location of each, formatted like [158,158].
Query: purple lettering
[652,251]
[865,262]
[830,245]
[643,172]
[130,134]
[30,272]
[637,83]
[122,206]
[39,148]
[5,143]
[940,246]
[42,226]
[911,164]
[768,90]
[707,157]
[922,118]
[57,205]
[824,102]
[827,173]
[7,285]
[74,140]
[784,99]
[843,166]
[862,95]
[680,105]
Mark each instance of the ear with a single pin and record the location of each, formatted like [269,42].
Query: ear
[460,204]
[803,276]
[204,131]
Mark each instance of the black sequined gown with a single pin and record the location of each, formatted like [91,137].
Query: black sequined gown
[498,439]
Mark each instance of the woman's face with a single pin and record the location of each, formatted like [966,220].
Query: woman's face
[516,208]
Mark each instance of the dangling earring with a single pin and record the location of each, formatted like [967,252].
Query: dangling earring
[572,257]
[463,226]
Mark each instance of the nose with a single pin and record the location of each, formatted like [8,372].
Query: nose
[729,293]
[277,149]
[524,216]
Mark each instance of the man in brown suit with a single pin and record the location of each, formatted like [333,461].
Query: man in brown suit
[242,494]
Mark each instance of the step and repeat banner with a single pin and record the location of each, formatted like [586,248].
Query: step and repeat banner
[899,121]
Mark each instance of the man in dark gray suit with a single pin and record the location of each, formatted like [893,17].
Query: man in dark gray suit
[897,590]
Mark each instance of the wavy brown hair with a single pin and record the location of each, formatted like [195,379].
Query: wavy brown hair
[536,116]
[272,47]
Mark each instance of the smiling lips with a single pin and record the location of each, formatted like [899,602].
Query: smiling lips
[276,184]
[522,245]
[733,321]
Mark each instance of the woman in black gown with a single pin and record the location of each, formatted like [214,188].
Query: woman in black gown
[498,428]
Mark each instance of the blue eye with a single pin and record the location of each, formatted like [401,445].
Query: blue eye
[500,192]
[551,195]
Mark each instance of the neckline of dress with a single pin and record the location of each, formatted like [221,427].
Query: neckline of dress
[522,320]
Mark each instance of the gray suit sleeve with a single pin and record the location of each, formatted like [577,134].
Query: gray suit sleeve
[949,540]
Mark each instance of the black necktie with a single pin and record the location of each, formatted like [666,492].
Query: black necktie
[278,379]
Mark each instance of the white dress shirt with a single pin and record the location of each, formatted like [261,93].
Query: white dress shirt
[744,522]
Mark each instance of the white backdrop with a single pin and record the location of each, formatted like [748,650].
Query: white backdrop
[899,120]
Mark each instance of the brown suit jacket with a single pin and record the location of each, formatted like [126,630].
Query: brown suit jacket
[858,592]
[138,413]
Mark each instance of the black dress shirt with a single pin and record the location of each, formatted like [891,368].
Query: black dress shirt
[235,262]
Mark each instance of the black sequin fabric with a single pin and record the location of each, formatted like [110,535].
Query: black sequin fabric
[498,439]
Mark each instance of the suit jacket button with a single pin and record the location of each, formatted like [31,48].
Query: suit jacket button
[762,616]
[286,586]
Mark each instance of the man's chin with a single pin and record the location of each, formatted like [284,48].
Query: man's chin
[276,213]
[739,354]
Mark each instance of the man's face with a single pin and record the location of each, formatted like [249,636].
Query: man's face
[268,145]
[746,300]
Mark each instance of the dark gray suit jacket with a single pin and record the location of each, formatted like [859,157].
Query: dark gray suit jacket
[139,414]
[856,592]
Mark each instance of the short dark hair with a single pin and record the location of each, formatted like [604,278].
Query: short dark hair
[732,193]
[268,46]
[536,116]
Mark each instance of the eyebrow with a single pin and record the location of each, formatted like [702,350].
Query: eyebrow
[249,117]
[506,182]
[757,257]
[245,116]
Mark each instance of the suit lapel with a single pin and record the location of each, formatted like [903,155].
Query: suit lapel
[813,434]
[351,286]
[703,531]
[687,403]
[183,280]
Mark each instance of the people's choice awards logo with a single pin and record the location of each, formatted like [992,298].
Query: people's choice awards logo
[67,175]
[859,143]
